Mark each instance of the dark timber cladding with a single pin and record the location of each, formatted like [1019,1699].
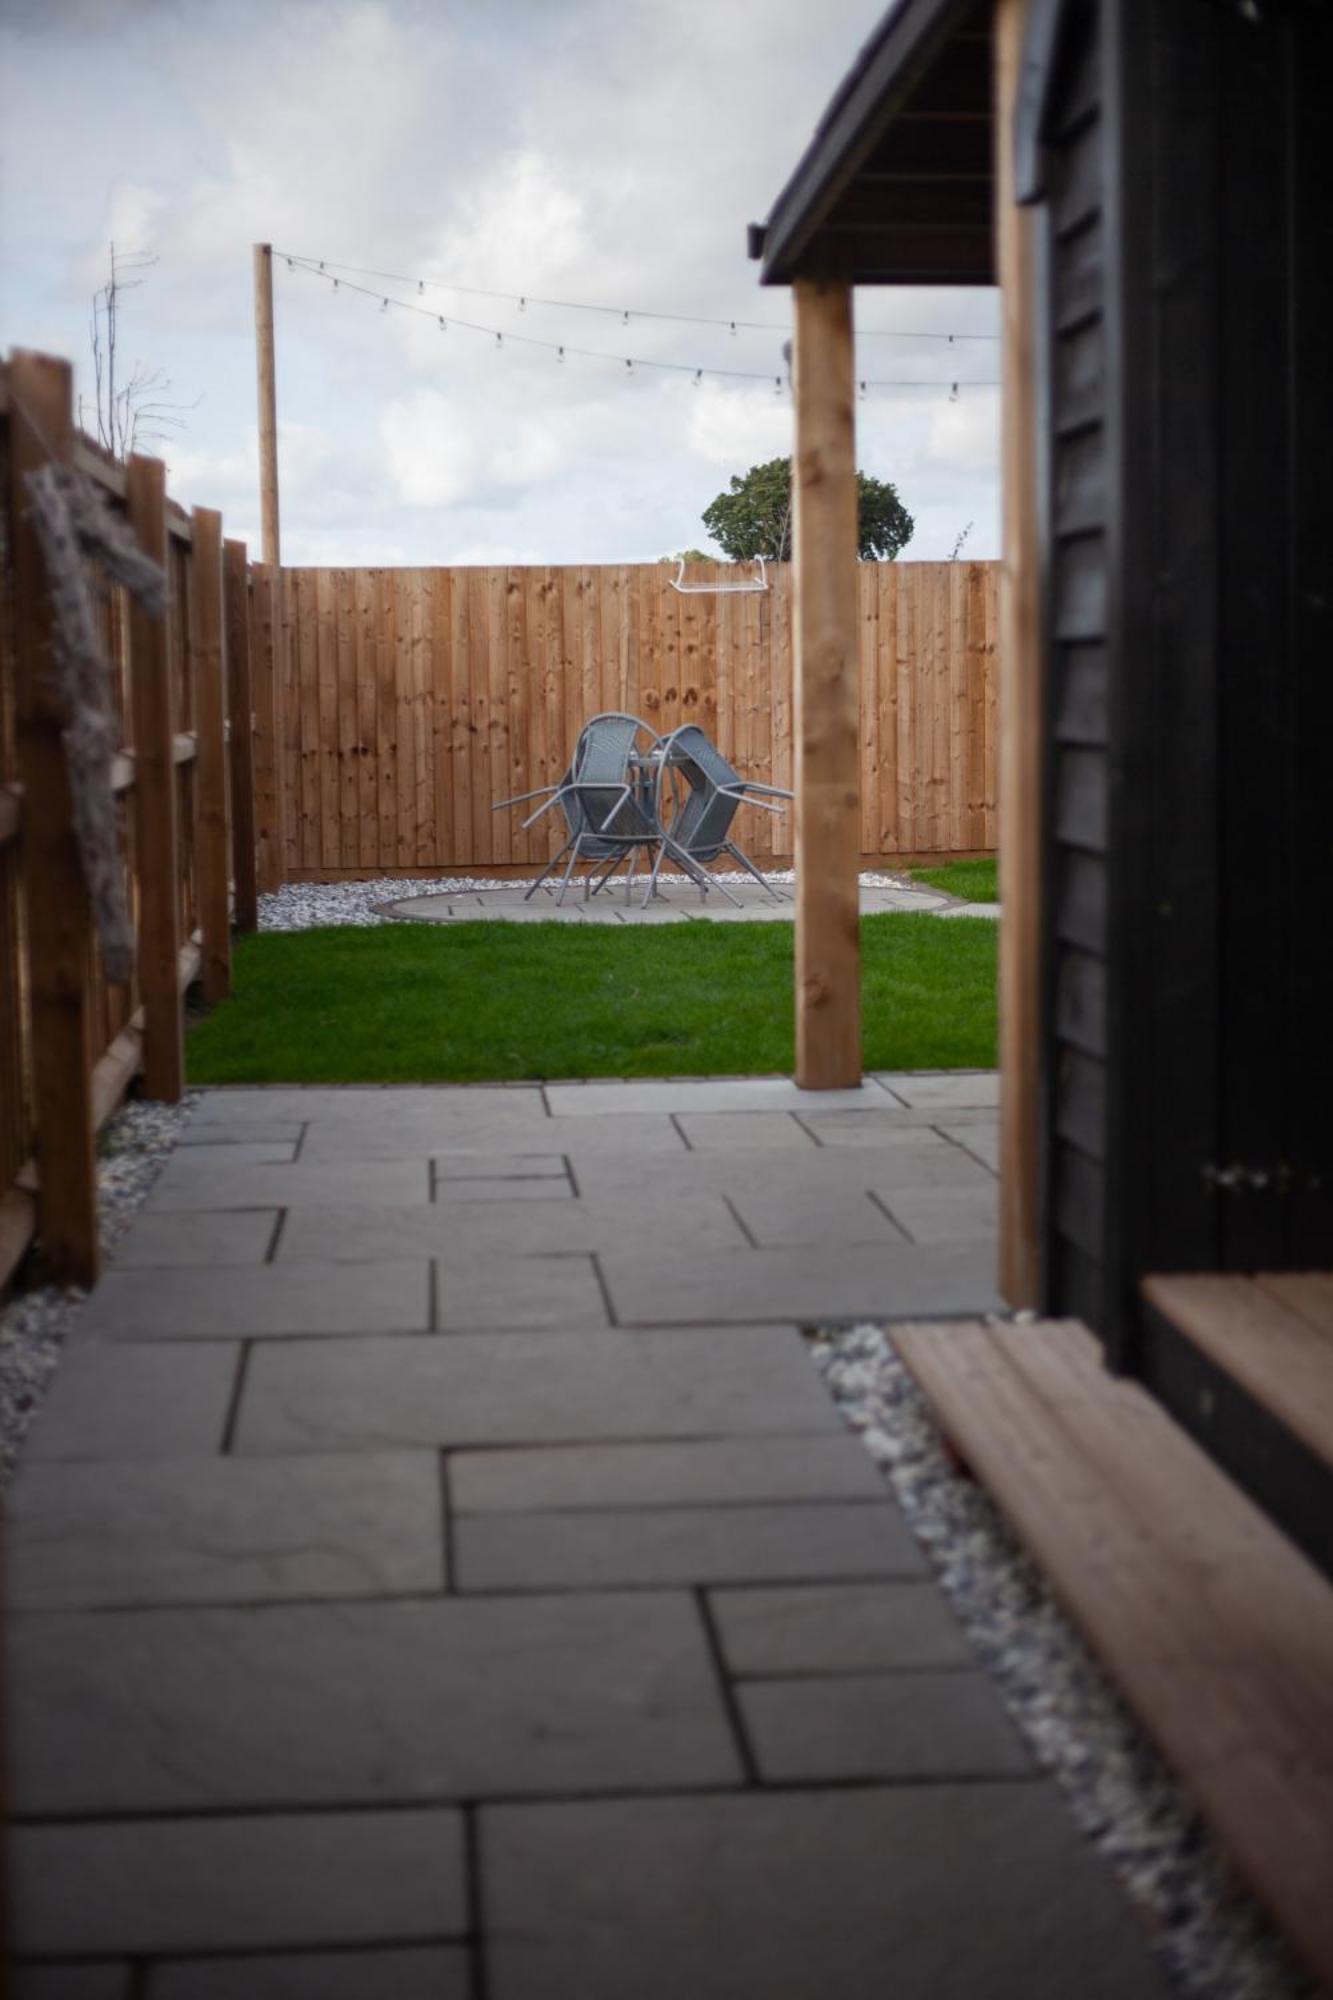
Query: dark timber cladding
[896,185]
[1173,147]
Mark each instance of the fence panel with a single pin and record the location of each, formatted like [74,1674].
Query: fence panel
[70,1039]
[416,698]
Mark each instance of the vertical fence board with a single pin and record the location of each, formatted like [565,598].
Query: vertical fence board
[367,698]
[155,800]
[214,841]
[241,715]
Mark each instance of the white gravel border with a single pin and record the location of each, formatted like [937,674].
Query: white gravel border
[1210,1937]
[303,906]
[132,1149]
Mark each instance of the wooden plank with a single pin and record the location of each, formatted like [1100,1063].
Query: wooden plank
[909,833]
[271,795]
[441,605]
[828,966]
[213,824]
[18,1226]
[241,699]
[1215,1628]
[887,834]
[285,604]
[781,834]
[266,372]
[502,825]
[1020,698]
[155,803]
[307,634]
[58,918]
[386,740]
[326,700]
[367,701]
[349,801]
[460,731]
[1266,1335]
[483,839]
[422,585]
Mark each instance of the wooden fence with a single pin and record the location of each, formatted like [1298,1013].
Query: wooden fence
[410,699]
[70,1040]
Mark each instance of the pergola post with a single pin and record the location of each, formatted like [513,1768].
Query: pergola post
[826,704]
[1020,702]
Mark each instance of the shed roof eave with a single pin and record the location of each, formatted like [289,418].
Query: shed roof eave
[888,69]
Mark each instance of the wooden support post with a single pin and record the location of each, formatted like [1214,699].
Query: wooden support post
[1020,760]
[266,369]
[827,675]
[213,857]
[155,801]
[58,916]
[266,693]
[241,710]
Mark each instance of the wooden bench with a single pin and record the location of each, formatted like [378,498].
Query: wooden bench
[1216,1629]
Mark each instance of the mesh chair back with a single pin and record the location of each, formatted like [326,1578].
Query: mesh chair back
[597,804]
[703,824]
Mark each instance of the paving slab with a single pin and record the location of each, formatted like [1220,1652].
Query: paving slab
[465,1164]
[231,1236]
[510,1189]
[530,1388]
[200,1303]
[711,1131]
[561,1290]
[945,1214]
[983,1141]
[682,1545]
[939,1892]
[835,1130]
[392,1183]
[136,1403]
[502,1226]
[841,1281]
[355,1704]
[636,1099]
[814,1214]
[440,1972]
[517,1124]
[945,1089]
[714,1471]
[847,1628]
[914,1724]
[914,1158]
[149,1887]
[235,1153]
[224,1530]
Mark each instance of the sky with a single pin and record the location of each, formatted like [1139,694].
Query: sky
[595,152]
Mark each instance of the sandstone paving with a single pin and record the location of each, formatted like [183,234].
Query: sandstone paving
[914,1724]
[590,1550]
[397,1702]
[528,1388]
[935,1892]
[424,1972]
[133,1403]
[204,1302]
[239,1883]
[834,1628]
[700,1472]
[214,1530]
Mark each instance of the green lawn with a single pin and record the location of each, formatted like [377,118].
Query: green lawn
[974,881]
[464,1003]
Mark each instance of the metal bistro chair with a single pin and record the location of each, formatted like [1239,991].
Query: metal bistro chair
[605,798]
[701,825]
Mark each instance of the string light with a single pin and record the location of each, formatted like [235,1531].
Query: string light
[562,349]
[524,299]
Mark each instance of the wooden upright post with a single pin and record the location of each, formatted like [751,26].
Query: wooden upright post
[155,803]
[827,673]
[244,731]
[1020,704]
[59,920]
[213,855]
[268,410]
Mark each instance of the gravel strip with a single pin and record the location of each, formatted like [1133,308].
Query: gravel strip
[1210,1937]
[132,1149]
[303,906]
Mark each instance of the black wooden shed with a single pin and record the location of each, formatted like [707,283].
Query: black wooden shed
[1143,179]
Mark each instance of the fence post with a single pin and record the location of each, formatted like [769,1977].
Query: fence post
[155,802]
[264,630]
[213,854]
[58,915]
[240,708]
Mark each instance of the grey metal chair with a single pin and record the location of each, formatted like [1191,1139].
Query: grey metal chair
[606,797]
[700,826]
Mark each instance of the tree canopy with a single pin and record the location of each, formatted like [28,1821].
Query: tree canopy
[753,518]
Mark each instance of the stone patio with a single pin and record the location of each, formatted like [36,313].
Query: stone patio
[675,903]
[439,1571]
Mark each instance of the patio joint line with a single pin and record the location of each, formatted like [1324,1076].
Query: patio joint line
[889,1216]
[684,1135]
[271,1254]
[608,1303]
[730,1700]
[449,1581]
[475,1899]
[232,1417]
[740,1222]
